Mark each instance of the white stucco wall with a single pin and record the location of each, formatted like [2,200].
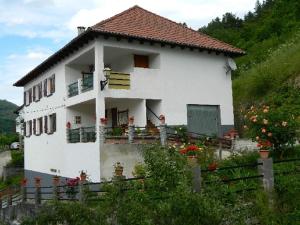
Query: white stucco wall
[176,77]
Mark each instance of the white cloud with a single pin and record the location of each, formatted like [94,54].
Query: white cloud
[14,67]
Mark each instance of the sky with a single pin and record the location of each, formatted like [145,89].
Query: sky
[32,30]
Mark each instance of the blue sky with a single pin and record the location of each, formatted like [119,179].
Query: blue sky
[32,30]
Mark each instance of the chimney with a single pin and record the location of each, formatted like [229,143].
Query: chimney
[80,30]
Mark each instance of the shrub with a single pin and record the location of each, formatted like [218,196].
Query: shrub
[271,127]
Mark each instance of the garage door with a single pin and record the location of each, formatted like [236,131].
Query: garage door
[204,119]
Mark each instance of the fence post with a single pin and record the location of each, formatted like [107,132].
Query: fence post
[1,210]
[196,171]
[55,181]
[23,190]
[82,194]
[37,196]
[102,130]
[130,129]
[163,130]
[9,203]
[220,149]
[266,169]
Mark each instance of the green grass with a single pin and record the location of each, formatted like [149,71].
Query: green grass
[264,78]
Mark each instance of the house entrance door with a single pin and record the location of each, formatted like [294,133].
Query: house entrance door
[204,119]
[114,117]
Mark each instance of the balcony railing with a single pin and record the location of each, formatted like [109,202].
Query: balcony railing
[82,134]
[88,134]
[118,80]
[74,135]
[81,85]
[73,89]
[87,82]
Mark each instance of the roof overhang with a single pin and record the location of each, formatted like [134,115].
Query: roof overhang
[91,34]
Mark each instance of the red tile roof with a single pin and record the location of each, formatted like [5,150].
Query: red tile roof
[138,22]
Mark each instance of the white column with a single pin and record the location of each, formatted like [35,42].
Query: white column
[100,102]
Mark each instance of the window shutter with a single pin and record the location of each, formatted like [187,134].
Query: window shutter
[40,90]
[25,103]
[46,124]
[53,84]
[45,88]
[41,125]
[34,126]
[33,94]
[141,61]
[54,122]
[25,131]
[30,127]
[30,95]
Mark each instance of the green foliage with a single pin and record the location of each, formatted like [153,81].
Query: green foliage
[166,197]
[259,32]
[7,139]
[271,127]
[7,117]
[17,158]
[267,77]
[117,131]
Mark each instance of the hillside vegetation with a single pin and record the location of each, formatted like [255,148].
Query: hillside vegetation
[259,32]
[7,117]
[270,71]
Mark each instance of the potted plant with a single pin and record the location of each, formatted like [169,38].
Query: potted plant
[191,153]
[264,146]
[118,169]
[83,175]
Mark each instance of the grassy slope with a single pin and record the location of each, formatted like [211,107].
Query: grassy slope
[7,116]
[263,79]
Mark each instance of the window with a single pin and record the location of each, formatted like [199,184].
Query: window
[30,96]
[141,61]
[34,93]
[52,123]
[49,86]
[51,82]
[28,128]
[39,126]
[77,119]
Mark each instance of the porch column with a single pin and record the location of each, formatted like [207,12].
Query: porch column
[100,104]
[139,112]
[98,76]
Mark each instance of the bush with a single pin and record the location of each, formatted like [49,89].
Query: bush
[17,158]
[272,128]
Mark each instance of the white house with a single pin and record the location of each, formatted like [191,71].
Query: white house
[156,66]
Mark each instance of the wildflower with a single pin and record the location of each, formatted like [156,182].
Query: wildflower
[270,134]
[265,121]
[257,138]
[263,130]
[245,127]
[266,110]
[284,123]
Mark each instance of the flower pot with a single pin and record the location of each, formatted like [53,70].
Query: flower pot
[212,167]
[119,172]
[83,176]
[264,154]
[192,160]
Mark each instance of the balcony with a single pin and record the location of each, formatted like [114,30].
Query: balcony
[82,134]
[81,85]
